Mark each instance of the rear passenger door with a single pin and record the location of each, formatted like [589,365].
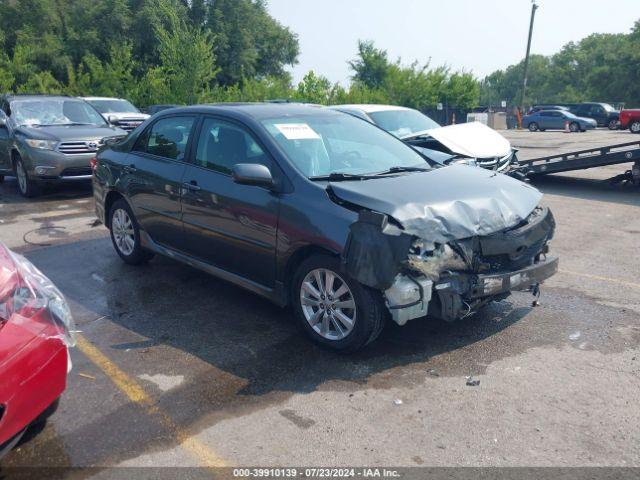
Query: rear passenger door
[153,175]
[228,225]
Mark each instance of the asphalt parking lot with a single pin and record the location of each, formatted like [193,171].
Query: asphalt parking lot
[176,368]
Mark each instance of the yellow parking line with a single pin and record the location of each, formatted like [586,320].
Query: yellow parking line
[604,279]
[136,394]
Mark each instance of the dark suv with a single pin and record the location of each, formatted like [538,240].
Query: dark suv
[603,113]
[319,210]
[47,138]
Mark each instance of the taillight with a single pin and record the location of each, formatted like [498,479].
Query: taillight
[93,163]
[25,291]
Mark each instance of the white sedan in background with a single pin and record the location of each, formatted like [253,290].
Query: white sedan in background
[471,143]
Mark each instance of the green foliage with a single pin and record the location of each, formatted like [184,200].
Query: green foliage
[600,67]
[146,50]
[186,58]
[249,42]
[372,65]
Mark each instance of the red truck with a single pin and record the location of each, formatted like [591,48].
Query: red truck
[630,118]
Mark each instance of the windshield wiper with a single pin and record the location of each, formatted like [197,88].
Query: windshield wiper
[338,176]
[403,169]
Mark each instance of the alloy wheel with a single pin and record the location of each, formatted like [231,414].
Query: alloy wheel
[22,177]
[635,127]
[123,232]
[328,304]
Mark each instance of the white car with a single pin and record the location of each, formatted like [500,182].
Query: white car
[471,143]
[118,112]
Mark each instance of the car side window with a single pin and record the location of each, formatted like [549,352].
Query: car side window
[223,144]
[167,138]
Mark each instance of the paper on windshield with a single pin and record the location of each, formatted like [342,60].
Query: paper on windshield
[297,131]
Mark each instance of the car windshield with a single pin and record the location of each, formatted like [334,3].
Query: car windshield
[608,107]
[49,111]
[322,145]
[403,123]
[113,106]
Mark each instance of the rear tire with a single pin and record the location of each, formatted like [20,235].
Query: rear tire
[613,125]
[634,127]
[26,186]
[533,127]
[315,300]
[125,234]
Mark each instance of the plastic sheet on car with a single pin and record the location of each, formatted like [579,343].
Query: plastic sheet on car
[24,289]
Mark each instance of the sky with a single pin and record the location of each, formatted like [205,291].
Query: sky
[476,35]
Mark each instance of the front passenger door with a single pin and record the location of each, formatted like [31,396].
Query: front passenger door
[228,225]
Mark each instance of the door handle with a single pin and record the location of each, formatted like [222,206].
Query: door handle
[130,168]
[192,185]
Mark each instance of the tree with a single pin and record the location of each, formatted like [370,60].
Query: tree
[600,67]
[314,89]
[372,65]
[186,58]
[249,42]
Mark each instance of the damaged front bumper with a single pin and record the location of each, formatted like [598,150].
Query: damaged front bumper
[450,280]
[461,294]
[525,279]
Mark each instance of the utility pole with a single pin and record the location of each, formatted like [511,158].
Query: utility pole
[534,7]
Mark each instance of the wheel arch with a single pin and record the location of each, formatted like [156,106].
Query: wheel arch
[299,256]
[112,197]
[15,154]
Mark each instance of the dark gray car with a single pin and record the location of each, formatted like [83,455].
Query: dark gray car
[49,139]
[319,210]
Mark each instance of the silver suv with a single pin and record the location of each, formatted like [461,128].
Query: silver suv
[47,138]
[118,112]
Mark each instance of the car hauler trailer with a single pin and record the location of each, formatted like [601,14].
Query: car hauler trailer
[583,159]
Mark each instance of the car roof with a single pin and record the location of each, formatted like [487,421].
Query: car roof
[369,107]
[101,98]
[258,111]
[18,96]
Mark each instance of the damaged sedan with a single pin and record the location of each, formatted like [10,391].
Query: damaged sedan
[470,143]
[321,211]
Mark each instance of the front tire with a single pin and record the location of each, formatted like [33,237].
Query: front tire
[125,234]
[574,127]
[26,186]
[634,127]
[335,310]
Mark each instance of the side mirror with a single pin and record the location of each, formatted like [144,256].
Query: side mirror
[112,119]
[3,121]
[252,174]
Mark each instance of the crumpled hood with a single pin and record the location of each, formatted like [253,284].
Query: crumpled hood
[472,139]
[444,204]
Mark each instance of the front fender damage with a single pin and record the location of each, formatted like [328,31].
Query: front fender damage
[462,274]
